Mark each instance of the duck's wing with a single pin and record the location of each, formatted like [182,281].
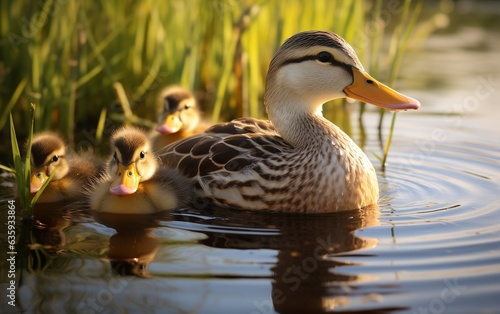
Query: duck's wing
[243,126]
[225,148]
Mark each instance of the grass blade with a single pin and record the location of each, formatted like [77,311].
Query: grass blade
[22,186]
[8,169]
[42,188]
[12,101]
[395,66]
[389,141]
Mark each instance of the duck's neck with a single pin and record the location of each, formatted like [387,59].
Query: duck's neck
[333,161]
[303,129]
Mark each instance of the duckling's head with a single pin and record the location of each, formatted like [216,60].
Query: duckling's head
[48,153]
[313,67]
[179,111]
[132,161]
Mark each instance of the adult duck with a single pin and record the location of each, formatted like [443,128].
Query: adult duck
[180,117]
[71,172]
[298,161]
[134,182]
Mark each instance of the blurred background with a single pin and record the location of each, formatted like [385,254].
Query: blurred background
[74,59]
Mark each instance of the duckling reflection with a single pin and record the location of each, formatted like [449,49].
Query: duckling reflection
[133,247]
[50,221]
[49,228]
[311,250]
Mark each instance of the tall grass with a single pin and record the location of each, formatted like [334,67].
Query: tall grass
[90,65]
[22,173]
[22,169]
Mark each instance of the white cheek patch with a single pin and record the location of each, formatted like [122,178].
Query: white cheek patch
[320,82]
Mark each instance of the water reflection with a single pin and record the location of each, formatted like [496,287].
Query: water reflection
[132,248]
[50,221]
[305,276]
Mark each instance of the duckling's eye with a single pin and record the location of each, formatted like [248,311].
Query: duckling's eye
[187,106]
[324,57]
[142,154]
[55,158]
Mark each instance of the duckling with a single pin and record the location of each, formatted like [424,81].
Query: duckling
[298,161]
[180,117]
[134,183]
[72,172]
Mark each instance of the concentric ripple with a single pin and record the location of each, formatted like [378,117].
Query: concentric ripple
[459,178]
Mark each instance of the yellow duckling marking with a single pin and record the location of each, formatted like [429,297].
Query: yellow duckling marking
[134,183]
[148,198]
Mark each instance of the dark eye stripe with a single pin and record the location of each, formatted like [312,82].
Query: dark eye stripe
[345,66]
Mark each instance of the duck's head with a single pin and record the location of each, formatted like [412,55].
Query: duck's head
[313,67]
[48,153]
[179,111]
[132,161]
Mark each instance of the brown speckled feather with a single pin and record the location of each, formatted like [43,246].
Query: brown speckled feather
[246,164]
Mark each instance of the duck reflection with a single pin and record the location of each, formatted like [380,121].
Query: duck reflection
[133,247]
[306,276]
[50,221]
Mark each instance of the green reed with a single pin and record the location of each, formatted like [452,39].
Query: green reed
[70,56]
[22,169]
[399,43]
[22,174]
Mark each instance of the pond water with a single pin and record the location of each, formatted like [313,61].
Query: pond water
[432,246]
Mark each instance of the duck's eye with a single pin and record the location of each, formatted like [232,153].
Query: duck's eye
[324,57]
[142,154]
[187,106]
[55,158]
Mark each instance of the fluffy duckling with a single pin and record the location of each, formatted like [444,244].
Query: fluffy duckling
[72,172]
[134,183]
[180,117]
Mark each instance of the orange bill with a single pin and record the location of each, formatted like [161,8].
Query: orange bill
[172,124]
[127,180]
[366,88]
[37,180]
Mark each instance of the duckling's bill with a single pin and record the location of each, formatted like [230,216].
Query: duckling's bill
[172,124]
[126,181]
[37,180]
[366,88]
